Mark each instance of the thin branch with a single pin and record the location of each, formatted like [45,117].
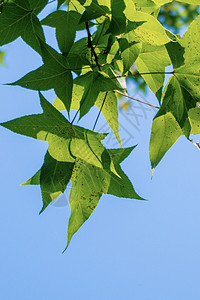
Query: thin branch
[147,73]
[154,73]
[76,114]
[91,46]
[146,103]
[100,110]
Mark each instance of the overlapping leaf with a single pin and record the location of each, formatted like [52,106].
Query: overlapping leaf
[88,184]
[66,142]
[85,193]
[182,92]
[109,109]
[151,64]
[93,83]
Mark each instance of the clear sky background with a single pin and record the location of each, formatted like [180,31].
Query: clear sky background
[128,249]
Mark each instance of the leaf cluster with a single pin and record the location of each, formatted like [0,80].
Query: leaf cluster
[93,71]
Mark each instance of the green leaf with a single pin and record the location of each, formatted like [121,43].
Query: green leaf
[89,183]
[191,40]
[162,2]
[179,97]
[146,6]
[109,109]
[66,24]
[75,6]
[18,19]
[54,177]
[165,132]
[55,73]
[194,117]
[118,19]
[153,60]
[113,49]
[178,101]
[66,142]
[150,32]
[130,8]
[176,53]
[182,92]
[130,52]
[37,5]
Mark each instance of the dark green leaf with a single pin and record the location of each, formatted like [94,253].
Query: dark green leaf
[118,20]
[66,24]
[18,19]
[55,73]
[55,176]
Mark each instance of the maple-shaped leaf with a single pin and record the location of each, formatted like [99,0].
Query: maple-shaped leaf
[182,92]
[54,73]
[151,63]
[93,83]
[19,19]
[66,142]
[88,184]
[66,24]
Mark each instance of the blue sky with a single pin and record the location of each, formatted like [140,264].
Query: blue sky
[128,249]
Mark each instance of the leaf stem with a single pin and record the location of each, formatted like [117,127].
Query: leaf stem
[146,73]
[74,117]
[154,73]
[146,103]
